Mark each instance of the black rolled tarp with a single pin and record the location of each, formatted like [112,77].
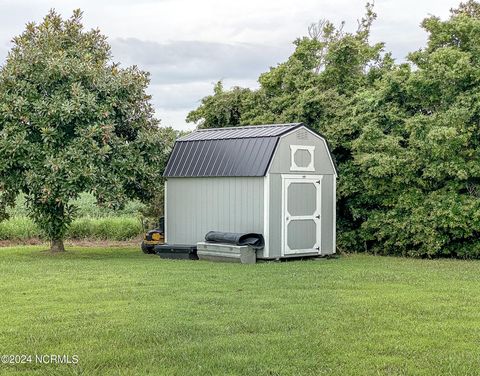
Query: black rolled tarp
[253,240]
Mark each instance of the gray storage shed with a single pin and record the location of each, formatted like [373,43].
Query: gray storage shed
[278,180]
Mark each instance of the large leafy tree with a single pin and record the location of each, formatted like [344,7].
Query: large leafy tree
[419,149]
[319,85]
[72,121]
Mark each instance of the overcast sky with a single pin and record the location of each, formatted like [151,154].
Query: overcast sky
[188,45]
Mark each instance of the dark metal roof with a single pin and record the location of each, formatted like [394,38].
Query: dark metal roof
[239,151]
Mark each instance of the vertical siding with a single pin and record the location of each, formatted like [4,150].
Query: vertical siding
[198,205]
[275,216]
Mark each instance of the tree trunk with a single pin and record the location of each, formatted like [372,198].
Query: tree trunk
[57,246]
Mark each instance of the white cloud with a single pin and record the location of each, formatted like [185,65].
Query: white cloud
[174,101]
[187,45]
[174,117]
[191,61]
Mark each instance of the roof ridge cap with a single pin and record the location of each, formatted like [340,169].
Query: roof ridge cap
[248,126]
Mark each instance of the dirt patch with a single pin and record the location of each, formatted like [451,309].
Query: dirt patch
[103,243]
[9,243]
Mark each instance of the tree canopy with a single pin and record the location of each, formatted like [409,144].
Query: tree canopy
[73,121]
[406,136]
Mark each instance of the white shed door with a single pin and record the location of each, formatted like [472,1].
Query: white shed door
[301,215]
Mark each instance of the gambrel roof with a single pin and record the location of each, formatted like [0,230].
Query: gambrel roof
[236,151]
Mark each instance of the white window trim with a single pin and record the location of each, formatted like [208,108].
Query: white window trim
[310,149]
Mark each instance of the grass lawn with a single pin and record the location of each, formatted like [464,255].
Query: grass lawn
[126,313]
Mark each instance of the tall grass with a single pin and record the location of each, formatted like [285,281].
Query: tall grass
[86,205]
[18,228]
[93,222]
[106,228]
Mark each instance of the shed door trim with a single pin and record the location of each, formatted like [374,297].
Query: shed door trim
[288,218]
